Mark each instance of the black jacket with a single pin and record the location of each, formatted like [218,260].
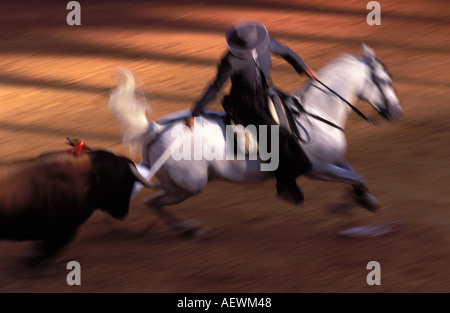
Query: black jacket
[248,79]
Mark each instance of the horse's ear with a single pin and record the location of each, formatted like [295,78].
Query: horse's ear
[367,52]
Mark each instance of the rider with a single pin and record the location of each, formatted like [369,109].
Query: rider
[247,63]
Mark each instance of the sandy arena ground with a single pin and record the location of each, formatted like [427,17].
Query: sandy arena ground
[55,81]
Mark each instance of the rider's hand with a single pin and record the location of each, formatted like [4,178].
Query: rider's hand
[189,122]
[311,74]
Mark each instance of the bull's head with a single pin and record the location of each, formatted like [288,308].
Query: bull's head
[113,181]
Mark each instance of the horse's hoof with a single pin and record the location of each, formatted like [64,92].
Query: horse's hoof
[368,201]
[190,229]
[343,208]
[193,233]
[196,233]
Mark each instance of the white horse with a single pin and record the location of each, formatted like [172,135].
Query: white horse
[349,76]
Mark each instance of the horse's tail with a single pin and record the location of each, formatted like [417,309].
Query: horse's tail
[129,107]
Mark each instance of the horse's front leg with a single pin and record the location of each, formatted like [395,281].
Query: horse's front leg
[363,197]
[344,173]
[360,191]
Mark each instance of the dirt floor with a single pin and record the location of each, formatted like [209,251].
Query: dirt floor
[55,81]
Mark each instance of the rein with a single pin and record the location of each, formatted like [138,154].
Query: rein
[299,106]
[317,117]
[358,112]
[323,120]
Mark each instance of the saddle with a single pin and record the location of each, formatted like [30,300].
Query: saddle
[282,107]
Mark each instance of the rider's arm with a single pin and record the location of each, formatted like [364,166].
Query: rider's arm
[291,57]
[223,73]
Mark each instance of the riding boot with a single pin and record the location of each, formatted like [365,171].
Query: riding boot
[287,188]
[293,163]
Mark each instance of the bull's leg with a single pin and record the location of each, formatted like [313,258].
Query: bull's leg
[51,246]
[56,241]
[179,224]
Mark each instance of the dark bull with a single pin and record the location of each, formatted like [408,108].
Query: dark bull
[48,197]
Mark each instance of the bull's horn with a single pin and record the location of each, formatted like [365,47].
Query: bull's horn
[142,179]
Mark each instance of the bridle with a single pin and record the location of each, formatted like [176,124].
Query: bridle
[377,81]
[384,111]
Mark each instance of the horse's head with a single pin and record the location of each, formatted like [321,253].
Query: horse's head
[377,89]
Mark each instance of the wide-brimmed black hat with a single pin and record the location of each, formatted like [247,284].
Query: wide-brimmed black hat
[245,36]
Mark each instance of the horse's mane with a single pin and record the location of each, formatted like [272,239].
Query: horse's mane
[338,62]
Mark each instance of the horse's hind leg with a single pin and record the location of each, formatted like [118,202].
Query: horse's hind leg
[176,222]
